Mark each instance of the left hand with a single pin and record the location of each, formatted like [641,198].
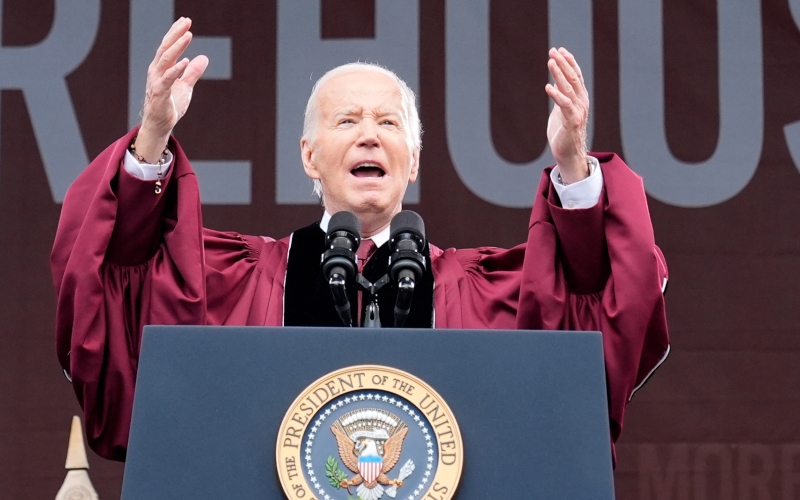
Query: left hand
[566,127]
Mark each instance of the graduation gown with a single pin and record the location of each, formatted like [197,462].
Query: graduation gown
[125,257]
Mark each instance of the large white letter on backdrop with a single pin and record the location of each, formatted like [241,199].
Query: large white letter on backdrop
[303,56]
[469,135]
[741,105]
[40,71]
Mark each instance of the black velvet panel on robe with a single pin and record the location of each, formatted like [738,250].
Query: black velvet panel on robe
[308,300]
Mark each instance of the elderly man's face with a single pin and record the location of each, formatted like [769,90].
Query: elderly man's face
[362,154]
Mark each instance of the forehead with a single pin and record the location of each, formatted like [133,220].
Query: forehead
[361,89]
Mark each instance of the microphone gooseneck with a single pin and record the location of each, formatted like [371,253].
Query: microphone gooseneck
[406,263]
[339,260]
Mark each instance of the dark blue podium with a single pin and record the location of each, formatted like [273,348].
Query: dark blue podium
[531,406]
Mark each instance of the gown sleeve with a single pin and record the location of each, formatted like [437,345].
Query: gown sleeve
[599,269]
[125,257]
[595,269]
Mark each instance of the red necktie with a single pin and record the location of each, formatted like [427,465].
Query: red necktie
[364,252]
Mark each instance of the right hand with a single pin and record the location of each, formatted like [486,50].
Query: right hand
[168,94]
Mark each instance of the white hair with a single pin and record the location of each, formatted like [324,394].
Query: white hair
[407,99]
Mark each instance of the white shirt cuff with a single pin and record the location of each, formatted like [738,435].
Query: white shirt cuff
[582,194]
[146,171]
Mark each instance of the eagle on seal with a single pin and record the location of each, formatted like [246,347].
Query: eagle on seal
[370,466]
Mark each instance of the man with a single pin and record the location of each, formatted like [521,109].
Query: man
[131,250]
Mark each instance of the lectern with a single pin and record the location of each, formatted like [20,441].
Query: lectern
[531,407]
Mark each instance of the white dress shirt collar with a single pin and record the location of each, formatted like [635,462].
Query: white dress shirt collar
[379,238]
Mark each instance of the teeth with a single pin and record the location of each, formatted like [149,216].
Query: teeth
[369,170]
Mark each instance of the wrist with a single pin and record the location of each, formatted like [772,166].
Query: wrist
[162,158]
[149,146]
[574,170]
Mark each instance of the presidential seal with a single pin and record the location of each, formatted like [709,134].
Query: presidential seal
[369,432]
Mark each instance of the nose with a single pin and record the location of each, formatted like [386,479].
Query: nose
[369,133]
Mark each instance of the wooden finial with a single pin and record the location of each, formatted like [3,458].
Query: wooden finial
[77,485]
[76,453]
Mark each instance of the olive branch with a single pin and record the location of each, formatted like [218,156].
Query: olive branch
[335,475]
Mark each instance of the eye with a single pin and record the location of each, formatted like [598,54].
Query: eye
[346,121]
[389,122]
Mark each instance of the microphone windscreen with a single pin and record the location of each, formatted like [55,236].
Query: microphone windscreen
[408,221]
[345,221]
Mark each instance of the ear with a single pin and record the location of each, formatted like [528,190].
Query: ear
[414,166]
[307,155]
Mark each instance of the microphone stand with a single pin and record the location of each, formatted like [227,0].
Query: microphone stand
[405,292]
[372,317]
[341,303]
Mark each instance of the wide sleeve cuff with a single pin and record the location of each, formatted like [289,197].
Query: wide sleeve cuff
[581,194]
[146,171]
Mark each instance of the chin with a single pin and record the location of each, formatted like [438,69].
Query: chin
[366,207]
[373,203]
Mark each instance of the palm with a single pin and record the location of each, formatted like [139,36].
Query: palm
[564,137]
[556,132]
[180,95]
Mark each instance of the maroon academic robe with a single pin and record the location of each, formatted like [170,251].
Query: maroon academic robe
[125,257]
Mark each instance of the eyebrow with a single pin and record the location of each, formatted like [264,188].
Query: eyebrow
[357,110]
[386,112]
[352,110]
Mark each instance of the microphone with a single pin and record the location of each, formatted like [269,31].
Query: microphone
[339,260]
[407,263]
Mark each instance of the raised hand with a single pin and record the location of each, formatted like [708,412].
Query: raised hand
[169,90]
[566,127]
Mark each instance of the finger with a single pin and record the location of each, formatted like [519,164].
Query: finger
[176,31]
[559,79]
[171,55]
[562,101]
[574,117]
[195,70]
[570,58]
[571,72]
[575,67]
[171,75]
[566,69]
[172,46]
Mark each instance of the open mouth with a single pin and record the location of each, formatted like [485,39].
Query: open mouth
[368,170]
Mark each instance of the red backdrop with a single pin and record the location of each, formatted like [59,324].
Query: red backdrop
[721,418]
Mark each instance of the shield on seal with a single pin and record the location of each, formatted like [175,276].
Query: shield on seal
[369,467]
